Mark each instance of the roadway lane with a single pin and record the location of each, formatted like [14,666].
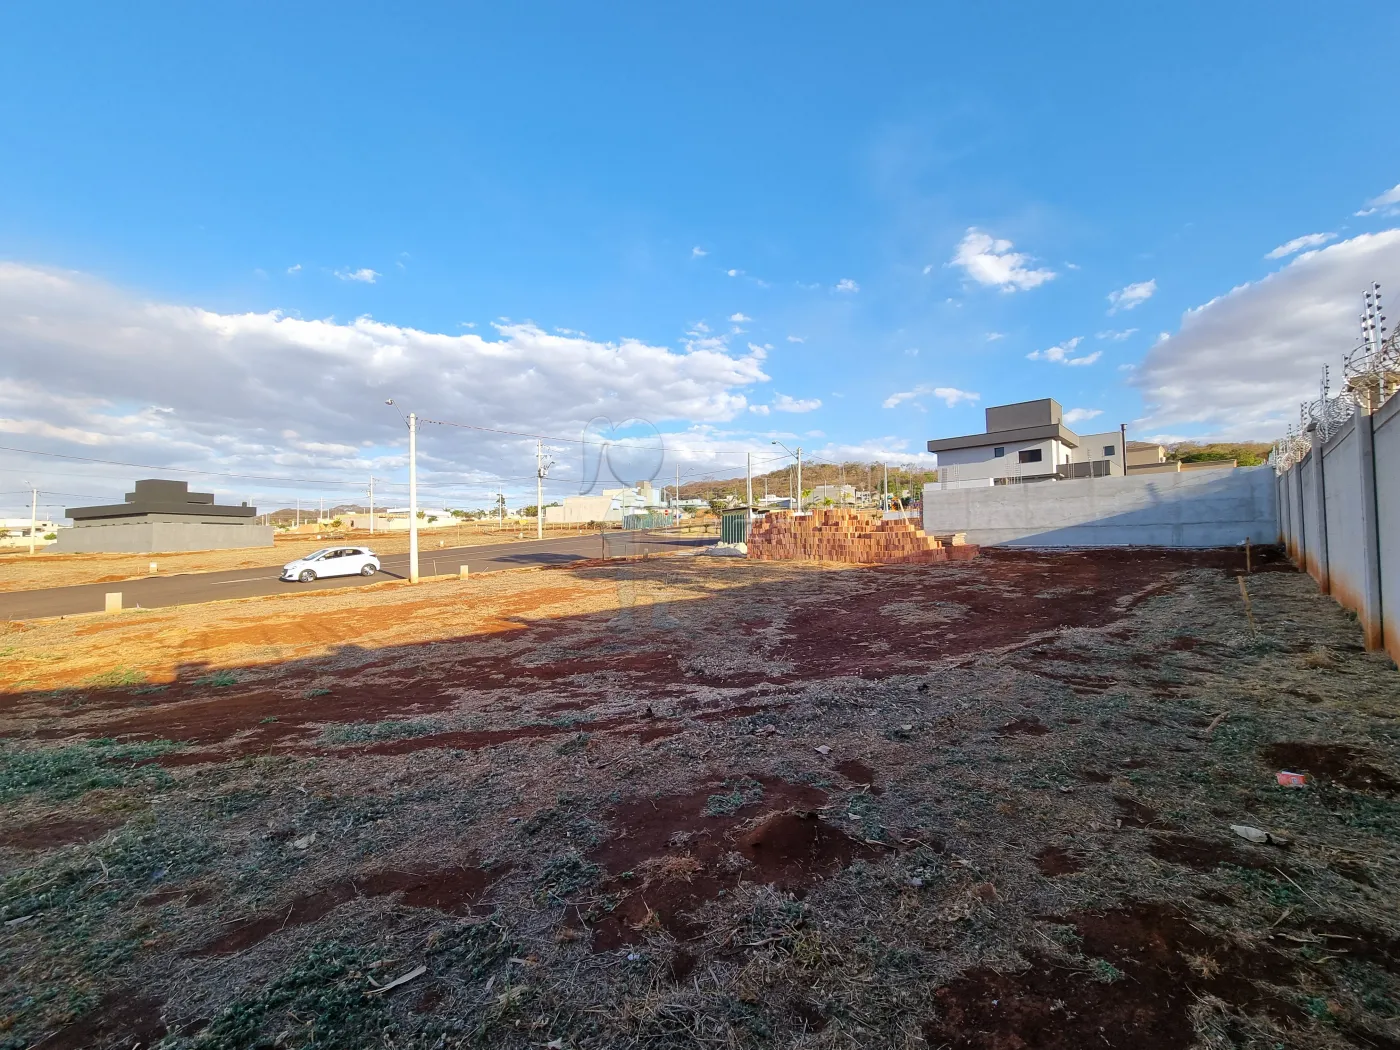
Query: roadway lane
[154,592]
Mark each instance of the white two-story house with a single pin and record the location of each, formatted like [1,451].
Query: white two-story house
[1025,442]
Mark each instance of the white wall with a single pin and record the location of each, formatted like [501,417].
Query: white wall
[1091,447]
[979,464]
[1209,509]
[1349,540]
[578,510]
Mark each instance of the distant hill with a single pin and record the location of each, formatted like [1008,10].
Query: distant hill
[865,477]
[1245,453]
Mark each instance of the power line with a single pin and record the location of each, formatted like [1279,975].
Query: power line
[585,441]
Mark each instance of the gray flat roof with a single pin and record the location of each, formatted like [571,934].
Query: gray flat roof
[1006,437]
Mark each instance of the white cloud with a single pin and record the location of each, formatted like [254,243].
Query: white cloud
[913,351]
[294,268]
[734,273]
[93,368]
[949,395]
[796,339]
[698,252]
[1116,335]
[1297,244]
[1240,364]
[364,275]
[1386,202]
[783,403]
[992,337]
[761,410]
[990,261]
[1062,354]
[740,318]
[888,449]
[845,284]
[1079,415]
[1133,295]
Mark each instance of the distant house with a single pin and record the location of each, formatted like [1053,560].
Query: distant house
[1025,442]
[838,494]
[609,505]
[1028,442]
[14,532]
[163,516]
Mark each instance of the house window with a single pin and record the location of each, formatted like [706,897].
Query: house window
[1029,455]
[1108,450]
[999,451]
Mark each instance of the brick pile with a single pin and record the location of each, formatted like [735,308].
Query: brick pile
[839,534]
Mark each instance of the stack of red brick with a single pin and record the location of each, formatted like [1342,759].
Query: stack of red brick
[840,534]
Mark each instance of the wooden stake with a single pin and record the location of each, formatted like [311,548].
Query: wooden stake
[1248,610]
[1247,566]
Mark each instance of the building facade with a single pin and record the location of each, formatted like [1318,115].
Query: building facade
[162,516]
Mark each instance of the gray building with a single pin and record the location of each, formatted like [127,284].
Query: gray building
[162,516]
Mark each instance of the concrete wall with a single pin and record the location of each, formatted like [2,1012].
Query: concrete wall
[1205,509]
[1385,429]
[1341,488]
[160,538]
[579,510]
[1339,510]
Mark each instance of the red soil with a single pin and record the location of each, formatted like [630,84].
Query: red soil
[1054,1007]
[45,833]
[1351,767]
[1054,861]
[452,890]
[667,857]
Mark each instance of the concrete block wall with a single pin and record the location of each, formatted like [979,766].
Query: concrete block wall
[160,537]
[1385,434]
[1205,508]
[1339,508]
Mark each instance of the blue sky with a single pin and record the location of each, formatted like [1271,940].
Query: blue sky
[636,172]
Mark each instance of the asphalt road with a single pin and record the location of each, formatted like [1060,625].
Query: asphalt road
[153,592]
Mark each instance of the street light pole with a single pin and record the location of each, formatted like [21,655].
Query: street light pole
[33,518]
[799,479]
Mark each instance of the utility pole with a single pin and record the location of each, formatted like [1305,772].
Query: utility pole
[33,518]
[885,488]
[298,512]
[413,497]
[321,514]
[799,479]
[501,503]
[371,504]
[1123,435]
[748,471]
[539,489]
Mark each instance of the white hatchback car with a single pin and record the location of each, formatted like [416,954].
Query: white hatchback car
[332,561]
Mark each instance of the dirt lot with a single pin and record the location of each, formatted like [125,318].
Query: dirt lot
[705,802]
[20,572]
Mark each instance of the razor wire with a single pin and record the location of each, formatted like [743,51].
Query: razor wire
[1371,376]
